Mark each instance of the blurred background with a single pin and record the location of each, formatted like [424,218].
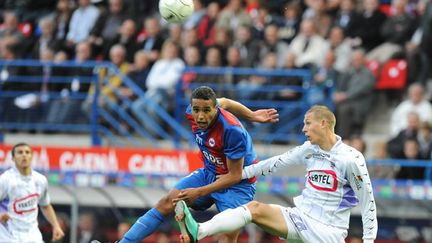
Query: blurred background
[99,88]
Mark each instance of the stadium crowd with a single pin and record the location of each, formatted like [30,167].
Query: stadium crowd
[347,45]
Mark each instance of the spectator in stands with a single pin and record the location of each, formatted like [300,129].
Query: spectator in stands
[249,48]
[347,17]
[287,93]
[251,88]
[206,29]
[192,58]
[424,138]
[425,45]
[367,34]
[161,83]
[416,102]
[190,38]
[233,16]
[8,111]
[223,40]
[395,31]
[139,9]
[107,26]
[67,109]
[47,39]
[213,59]
[152,40]
[353,96]
[175,33]
[82,22]
[395,145]
[10,36]
[323,80]
[126,37]
[109,82]
[88,230]
[139,70]
[317,13]
[308,46]
[411,152]
[271,43]
[198,13]
[62,16]
[138,73]
[290,24]
[33,105]
[234,61]
[260,20]
[382,171]
[342,49]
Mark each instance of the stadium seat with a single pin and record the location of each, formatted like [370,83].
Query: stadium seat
[393,75]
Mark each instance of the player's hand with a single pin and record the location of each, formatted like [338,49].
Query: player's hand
[265,115]
[188,195]
[57,233]
[4,218]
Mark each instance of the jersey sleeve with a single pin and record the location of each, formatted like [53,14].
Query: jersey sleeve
[235,143]
[271,165]
[359,180]
[44,199]
[3,187]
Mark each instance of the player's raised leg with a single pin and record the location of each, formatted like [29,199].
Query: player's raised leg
[268,217]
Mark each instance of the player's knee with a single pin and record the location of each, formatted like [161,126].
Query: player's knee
[255,208]
[165,205]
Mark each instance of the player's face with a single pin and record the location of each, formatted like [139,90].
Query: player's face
[23,157]
[311,128]
[203,112]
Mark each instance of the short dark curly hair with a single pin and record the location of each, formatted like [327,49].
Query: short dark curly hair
[204,93]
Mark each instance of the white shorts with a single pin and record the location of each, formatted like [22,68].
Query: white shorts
[302,227]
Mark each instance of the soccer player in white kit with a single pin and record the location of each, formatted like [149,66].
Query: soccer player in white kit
[336,180]
[21,190]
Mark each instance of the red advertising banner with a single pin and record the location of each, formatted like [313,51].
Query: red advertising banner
[108,160]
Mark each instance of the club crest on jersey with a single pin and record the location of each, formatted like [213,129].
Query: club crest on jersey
[323,180]
[212,142]
[26,204]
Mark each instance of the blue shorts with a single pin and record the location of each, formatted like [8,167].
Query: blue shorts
[231,197]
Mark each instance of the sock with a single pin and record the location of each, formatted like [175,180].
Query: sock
[226,221]
[144,226]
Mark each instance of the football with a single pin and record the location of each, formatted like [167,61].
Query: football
[175,11]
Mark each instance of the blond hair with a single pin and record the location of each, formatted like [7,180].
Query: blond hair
[323,113]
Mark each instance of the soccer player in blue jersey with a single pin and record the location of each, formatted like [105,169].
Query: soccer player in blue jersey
[226,148]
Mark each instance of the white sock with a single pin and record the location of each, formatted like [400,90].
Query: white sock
[226,221]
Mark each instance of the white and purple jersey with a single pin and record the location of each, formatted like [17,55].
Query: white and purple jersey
[336,181]
[20,196]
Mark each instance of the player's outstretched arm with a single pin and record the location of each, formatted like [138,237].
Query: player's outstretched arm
[359,180]
[262,115]
[271,165]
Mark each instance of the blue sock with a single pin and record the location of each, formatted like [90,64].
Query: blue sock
[144,226]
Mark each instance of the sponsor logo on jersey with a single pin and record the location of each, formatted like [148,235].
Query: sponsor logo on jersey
[358,180]
[212,142]
[323,180]
[213,159]
[26,204]
[321,156]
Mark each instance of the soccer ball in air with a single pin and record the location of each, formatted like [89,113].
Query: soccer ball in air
[175,11]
